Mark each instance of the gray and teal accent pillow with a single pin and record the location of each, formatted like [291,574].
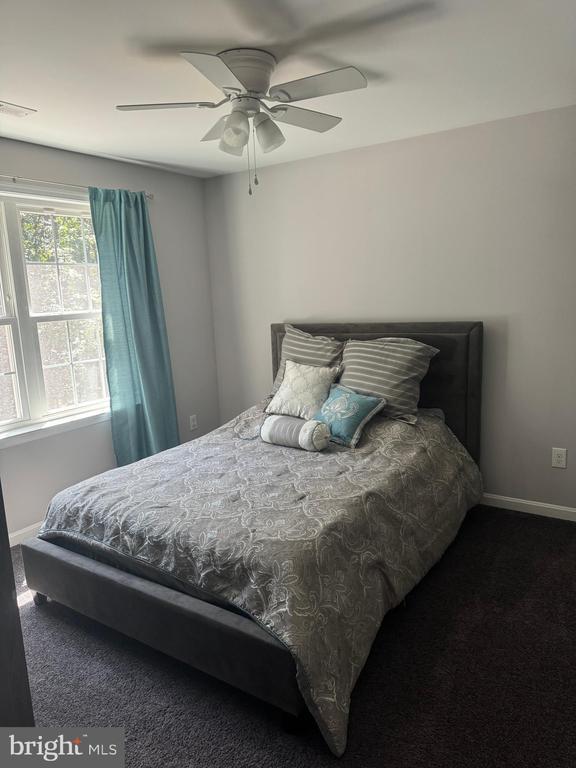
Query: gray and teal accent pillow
[390,368]
[346,413]
[302,347]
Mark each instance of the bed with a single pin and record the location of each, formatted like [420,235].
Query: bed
[278,581]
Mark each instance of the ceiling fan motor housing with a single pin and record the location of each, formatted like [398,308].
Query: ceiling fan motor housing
[246,104]
[252,67]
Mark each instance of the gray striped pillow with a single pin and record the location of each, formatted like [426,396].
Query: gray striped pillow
[390,368]
[303,348]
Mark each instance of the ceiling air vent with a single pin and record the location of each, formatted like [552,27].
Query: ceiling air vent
[15,110]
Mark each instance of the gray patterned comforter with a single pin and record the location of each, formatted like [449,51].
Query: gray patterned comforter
[316,547]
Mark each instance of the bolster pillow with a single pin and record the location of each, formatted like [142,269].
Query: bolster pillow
[292,432]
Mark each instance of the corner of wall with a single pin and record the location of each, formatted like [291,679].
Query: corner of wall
[206,185]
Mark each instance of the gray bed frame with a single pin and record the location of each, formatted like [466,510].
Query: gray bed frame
[211,638]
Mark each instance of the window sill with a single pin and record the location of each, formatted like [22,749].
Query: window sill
[37,431]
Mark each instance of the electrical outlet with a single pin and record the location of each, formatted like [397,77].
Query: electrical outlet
[559,458]
[193,422]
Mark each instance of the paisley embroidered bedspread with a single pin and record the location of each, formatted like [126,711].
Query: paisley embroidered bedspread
[316,547]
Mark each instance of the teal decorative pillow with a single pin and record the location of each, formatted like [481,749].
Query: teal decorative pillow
[346,413]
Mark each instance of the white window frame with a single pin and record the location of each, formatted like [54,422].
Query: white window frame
[24,323]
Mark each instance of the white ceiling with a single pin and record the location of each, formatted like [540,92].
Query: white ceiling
[431,65]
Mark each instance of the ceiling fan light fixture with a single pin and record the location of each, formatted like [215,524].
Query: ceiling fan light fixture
[270,137]
[236,129]
[229,148]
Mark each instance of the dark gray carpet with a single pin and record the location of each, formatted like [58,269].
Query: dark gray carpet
[478,670]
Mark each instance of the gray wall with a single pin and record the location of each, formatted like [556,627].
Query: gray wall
[474,223]
[31,473]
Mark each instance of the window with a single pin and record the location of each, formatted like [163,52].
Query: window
[51,349]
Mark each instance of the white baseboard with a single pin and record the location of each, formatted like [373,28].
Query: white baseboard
[532,507]
[24,533]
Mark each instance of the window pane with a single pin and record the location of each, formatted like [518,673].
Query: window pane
[43,286]
[85,341]
[90,241]
[53,339]
[37,237]
[6,357]
[59,387]
[2,305]
[69,239]
[61,266]
[69,386]
[94,276]
[74,288]
[89,383]
[9,400]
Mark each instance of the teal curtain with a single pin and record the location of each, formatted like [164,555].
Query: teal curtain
[138,367]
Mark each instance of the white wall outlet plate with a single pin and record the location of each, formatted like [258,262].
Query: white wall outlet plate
[193,422]
[559,458]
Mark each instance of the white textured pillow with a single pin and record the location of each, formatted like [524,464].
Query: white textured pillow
[303,390]
[295,433]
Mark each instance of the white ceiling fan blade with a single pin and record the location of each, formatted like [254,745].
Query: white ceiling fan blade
[358,24]
[169,105]
[213,68]
[304,118]
[216,131]
[272,21]
[336,81]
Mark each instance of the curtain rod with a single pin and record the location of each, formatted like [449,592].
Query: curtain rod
[16,179]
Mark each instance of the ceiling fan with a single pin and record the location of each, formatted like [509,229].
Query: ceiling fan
[243,75]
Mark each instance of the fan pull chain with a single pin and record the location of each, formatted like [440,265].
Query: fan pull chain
[249,173]
[256,182]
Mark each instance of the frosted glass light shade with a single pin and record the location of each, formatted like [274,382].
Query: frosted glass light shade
[236,129]
[270,137]
[229,149]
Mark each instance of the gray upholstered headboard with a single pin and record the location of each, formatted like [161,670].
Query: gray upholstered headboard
[454,381]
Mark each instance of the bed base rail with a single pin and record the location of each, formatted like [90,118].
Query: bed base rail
[221,643]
